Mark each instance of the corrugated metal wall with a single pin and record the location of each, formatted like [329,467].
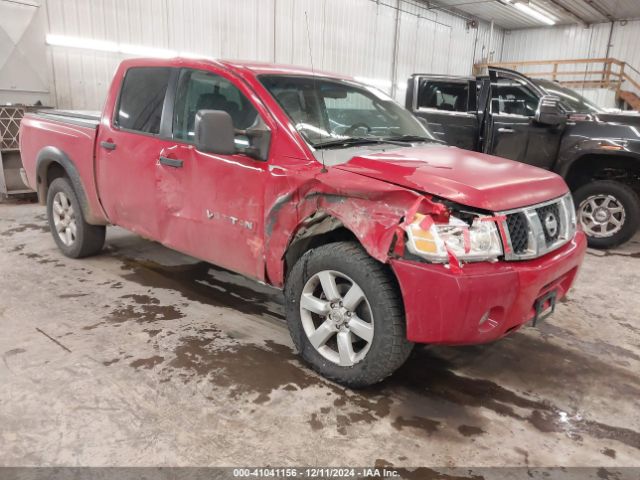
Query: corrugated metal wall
[574,41]
[625,43]
[557,43]
[355,37]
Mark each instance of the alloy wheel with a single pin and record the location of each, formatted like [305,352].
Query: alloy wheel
[601,215]
[64,219]
[336,317]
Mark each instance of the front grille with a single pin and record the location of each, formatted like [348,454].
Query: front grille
[518,231]
[536,230]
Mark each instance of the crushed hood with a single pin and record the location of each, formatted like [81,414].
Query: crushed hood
[469,178]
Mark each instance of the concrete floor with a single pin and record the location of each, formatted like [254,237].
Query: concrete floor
[142,356]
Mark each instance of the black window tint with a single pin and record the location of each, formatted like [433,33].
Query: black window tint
[200,90]
[142,98]
[448,96]
[514,98]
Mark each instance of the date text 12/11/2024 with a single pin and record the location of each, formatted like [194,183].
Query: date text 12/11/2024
[316,472]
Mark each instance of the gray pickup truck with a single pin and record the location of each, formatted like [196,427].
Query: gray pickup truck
[542,123]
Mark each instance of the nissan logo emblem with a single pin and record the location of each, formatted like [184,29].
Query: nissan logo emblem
[551,224]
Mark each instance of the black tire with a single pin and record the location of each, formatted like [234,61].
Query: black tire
[389,347]
[625,196]
[88,239]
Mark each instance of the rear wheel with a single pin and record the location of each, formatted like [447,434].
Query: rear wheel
[345,315]
[73,235]
[608,211]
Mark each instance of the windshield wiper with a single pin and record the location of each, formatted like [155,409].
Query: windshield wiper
[412,138]
[347,142]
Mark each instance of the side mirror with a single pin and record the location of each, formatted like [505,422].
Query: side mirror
[550,112]
[214,132]
[259,141]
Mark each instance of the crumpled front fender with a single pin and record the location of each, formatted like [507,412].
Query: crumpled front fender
[371,210]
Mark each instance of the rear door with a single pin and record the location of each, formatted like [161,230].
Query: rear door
[512,130]
[128,150]
[448,104]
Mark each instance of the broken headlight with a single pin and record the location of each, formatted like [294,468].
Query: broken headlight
[475,242]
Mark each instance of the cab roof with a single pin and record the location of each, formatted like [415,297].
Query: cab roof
[262,68]
[256,68]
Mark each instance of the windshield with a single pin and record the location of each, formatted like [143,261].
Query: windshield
[331,112]
[572,100]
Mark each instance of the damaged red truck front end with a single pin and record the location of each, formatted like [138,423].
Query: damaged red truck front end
[456,302]
[379,235]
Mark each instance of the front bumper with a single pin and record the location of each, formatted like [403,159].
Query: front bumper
[446,308]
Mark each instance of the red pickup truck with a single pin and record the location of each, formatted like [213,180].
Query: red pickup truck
[380,235]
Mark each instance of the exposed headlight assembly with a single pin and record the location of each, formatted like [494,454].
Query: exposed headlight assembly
[570,208]
[477,242]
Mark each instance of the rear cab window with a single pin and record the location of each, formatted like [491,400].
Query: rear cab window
[142,98]
[443,95]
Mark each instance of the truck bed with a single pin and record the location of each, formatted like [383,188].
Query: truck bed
[67,137]
[84,118]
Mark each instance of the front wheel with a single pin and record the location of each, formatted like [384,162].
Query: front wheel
[345,315]
[73,235]
[608,211]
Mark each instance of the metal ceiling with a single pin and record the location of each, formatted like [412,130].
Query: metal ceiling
[565,11]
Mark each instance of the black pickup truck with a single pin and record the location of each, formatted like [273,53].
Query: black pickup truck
[542,123]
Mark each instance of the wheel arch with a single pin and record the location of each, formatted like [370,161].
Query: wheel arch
[623,167]
[318,229]
[52,163]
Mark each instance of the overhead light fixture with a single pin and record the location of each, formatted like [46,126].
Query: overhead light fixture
[73,42]
[543,11]
[106,46]
[533,13]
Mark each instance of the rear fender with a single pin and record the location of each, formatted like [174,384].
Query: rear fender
[596,139]
[52,155]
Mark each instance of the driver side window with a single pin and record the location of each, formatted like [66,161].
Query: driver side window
[514,98]
[201,90]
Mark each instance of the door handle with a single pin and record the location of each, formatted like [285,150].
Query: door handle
[170,162]
[506,130]
[108,145]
